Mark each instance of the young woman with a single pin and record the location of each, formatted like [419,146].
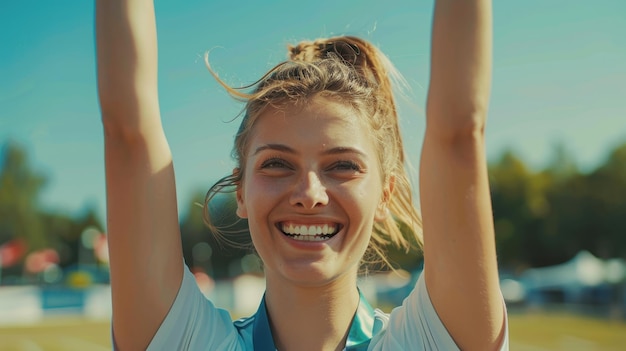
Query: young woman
[320,178]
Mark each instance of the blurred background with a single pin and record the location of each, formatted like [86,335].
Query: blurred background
[556,144]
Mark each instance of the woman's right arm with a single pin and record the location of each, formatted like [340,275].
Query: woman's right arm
[142,218]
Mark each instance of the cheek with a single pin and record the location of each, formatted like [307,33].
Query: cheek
[259,196]
[264,189]
[362,200]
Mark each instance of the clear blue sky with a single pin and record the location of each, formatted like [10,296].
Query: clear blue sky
[559,76]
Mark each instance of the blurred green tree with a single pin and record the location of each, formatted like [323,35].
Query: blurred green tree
[20,186]
[606,203]
[546,217]
[21,216]
[519,205]
[218,254]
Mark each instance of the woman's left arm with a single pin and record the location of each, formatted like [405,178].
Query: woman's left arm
[461,269]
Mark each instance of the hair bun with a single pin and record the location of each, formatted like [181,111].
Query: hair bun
[341,47]
[307,51]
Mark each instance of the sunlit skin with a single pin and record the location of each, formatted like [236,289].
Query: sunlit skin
[308,166]
[316,168]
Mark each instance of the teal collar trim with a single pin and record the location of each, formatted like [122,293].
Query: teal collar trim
[359,336]
[362,328]
[261,333]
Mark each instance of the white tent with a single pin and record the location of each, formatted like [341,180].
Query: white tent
[583,272]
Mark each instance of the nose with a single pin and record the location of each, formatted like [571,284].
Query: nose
[309,192]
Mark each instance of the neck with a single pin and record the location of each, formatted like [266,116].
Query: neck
[311,318]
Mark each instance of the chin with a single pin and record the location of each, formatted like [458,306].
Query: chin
[315,274]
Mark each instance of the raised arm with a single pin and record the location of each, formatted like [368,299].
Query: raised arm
[142,220]
[460,260]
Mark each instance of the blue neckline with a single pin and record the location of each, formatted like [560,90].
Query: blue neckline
[359,336]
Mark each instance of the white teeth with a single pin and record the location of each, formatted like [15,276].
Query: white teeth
[309,238]
[314,232]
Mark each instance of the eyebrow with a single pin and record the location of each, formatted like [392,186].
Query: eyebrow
[276,147]
[334,151]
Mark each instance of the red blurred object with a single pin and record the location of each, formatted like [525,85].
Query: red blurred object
[12,251]
[38,261]
[204,281]
[101,248]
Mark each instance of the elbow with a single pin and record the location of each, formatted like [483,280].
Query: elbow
[456,125]
[128,116]
[114,130]
[457,115]
[119,124]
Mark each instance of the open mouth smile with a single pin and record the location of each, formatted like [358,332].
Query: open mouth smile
[315,232]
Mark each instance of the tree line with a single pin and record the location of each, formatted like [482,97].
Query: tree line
[542,217]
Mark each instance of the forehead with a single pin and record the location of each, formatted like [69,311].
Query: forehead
[320,124]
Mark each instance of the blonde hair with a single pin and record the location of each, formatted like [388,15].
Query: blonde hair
[354,72]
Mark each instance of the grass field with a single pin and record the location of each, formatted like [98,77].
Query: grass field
[528,332]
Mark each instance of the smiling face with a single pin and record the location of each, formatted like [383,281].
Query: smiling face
[311,191]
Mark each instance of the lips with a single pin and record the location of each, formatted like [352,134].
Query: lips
[310,232]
